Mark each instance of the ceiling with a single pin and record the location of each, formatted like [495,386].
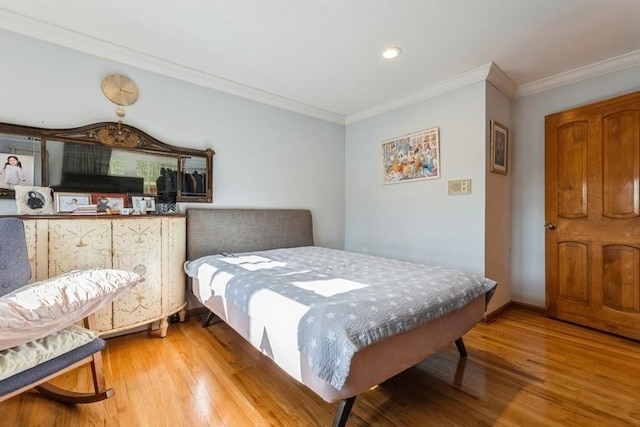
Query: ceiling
[322,58]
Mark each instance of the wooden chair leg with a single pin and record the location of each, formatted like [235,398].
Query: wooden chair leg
[97,373]
[67,396]
[100,391]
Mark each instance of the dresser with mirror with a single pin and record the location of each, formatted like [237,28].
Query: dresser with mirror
[105,158]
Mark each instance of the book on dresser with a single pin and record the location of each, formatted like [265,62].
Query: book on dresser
[87,210]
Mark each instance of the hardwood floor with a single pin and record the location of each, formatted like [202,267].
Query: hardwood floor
[523,370]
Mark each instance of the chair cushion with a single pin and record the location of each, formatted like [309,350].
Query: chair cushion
[25,356]
[45,307]
[15,270]
[50,367]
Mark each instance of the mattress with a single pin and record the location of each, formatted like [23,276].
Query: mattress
[312,309]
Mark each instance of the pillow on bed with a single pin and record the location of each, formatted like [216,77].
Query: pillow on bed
[37,310]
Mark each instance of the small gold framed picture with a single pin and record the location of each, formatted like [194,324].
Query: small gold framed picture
[499,148]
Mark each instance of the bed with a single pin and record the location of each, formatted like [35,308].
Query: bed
[337,321]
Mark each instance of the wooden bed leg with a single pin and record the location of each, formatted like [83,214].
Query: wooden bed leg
[207,321]
[460,346]
[344,410]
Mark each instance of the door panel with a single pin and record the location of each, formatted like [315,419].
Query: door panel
[621,198]
[572,177]
[573,275]
[621,268]
[592,206]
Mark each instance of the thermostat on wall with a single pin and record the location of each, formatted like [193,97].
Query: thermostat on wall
[459,186]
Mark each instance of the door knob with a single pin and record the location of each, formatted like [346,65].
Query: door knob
[550,226]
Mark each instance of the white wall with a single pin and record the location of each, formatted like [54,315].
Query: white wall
[265,156]
[528,233]
[419,221]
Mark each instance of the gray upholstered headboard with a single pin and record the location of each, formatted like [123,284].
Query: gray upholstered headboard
[211,231]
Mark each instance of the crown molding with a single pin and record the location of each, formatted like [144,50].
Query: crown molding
[501,81]
[461,80]
[37,29]
[597,69]
[34,28]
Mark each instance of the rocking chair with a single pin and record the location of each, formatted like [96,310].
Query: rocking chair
[61,345]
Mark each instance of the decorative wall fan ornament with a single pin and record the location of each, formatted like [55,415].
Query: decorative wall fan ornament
[120,90]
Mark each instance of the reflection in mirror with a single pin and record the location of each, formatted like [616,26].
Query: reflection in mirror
[20,162]
[108,157]
[96,168]
[194,176]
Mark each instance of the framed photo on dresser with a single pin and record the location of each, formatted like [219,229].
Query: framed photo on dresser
[34,200]
[143,204]
[68,202]
[104,201]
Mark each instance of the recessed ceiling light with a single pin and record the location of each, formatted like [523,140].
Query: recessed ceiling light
[391,52]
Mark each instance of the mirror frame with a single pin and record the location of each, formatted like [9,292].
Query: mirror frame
[113,135]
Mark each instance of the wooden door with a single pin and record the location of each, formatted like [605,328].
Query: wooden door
[592,208]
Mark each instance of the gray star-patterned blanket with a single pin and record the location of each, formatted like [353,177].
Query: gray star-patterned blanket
[354,300]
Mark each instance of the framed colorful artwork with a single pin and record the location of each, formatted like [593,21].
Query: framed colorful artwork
[412,157]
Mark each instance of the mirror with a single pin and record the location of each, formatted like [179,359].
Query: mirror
[104,158]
